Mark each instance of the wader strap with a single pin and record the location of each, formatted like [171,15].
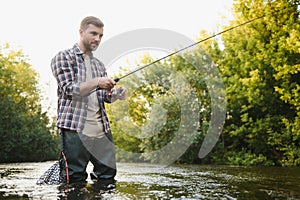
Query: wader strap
[62,136]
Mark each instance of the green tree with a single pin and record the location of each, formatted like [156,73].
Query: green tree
[260,69]
[161,116]
[25,129]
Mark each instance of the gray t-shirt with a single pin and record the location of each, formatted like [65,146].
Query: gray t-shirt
[93,126]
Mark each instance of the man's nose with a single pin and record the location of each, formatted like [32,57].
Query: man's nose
[98,38]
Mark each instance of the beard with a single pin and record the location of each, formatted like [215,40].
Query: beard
[90,46]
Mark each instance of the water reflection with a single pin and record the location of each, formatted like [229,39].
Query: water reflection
[146,181]
[84,191]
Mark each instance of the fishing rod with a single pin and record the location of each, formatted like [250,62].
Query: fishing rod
[180,50]
[203,40]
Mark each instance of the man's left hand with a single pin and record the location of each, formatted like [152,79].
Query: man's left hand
[121,92]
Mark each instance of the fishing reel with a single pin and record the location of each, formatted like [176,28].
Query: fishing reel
[115,93]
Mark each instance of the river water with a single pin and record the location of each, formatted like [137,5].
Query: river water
[150,181]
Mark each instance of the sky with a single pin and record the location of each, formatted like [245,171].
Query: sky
[42,28]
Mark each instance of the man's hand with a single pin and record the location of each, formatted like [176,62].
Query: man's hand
[106,83]
[102,82]
[119,93]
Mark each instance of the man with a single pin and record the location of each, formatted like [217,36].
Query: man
[83,88]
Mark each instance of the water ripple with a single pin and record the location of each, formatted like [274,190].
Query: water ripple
[149,181]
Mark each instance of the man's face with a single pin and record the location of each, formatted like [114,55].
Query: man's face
[91,37]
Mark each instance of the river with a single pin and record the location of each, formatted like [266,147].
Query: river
[150,181]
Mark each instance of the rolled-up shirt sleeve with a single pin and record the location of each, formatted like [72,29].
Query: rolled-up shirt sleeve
[65,75]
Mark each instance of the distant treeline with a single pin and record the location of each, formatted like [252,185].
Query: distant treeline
[25,131]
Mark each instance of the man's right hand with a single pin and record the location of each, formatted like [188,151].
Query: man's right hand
[106,83]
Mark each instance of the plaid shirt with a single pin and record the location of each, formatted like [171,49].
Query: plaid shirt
[69,70]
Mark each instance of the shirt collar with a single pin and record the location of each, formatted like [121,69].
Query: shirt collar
[78,51]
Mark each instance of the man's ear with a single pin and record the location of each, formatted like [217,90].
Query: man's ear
[80,31]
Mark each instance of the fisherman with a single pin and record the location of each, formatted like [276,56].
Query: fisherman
[83,89]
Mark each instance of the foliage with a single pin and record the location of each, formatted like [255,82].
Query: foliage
[247,159]
[25,132]
[259,65]
[260,69]
[160,118]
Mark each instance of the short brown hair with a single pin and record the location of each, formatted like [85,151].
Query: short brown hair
[91,20]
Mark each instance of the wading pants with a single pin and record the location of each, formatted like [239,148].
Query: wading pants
[80,149]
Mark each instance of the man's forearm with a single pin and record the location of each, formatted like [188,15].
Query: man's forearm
[88,86]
